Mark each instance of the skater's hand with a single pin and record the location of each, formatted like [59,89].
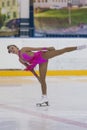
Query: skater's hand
[26,69]
[51,48]
[29,67]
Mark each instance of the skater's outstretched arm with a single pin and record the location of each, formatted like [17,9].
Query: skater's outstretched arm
[26,49]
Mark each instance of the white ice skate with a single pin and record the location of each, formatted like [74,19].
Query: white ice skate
[43,102]
[81,47]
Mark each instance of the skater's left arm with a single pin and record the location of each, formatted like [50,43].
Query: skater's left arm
[35,74]
[33,71]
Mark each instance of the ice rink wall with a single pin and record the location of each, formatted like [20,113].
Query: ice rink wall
[71,63]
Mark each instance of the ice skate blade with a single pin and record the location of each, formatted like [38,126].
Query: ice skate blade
[42,104]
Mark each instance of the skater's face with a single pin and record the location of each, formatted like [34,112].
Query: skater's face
[12,49]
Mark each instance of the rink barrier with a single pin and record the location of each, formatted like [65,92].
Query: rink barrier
[49,73]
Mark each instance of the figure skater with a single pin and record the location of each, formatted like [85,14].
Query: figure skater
[30,57]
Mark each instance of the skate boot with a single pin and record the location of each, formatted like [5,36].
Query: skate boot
[81,47]
[43,102]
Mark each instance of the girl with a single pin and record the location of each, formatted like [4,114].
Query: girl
[30,57]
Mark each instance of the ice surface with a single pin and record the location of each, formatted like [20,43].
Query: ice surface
[67,110]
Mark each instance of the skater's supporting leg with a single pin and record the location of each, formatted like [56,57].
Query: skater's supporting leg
[42,72]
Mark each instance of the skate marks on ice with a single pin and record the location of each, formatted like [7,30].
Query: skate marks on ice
[42,115]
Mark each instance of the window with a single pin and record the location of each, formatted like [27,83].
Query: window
[3,4]
[8,3]
[13,2]
[8,15]
[14,15]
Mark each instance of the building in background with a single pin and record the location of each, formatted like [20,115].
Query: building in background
[57,3]
[49,3]
[9,9]
[79,2]
[17,14]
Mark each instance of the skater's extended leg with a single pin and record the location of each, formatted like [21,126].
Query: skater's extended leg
[51,54]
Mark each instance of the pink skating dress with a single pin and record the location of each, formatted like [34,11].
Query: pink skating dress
[32,61]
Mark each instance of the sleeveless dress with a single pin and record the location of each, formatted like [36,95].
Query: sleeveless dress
[32,61]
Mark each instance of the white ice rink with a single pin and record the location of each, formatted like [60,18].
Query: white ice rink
[67,110]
